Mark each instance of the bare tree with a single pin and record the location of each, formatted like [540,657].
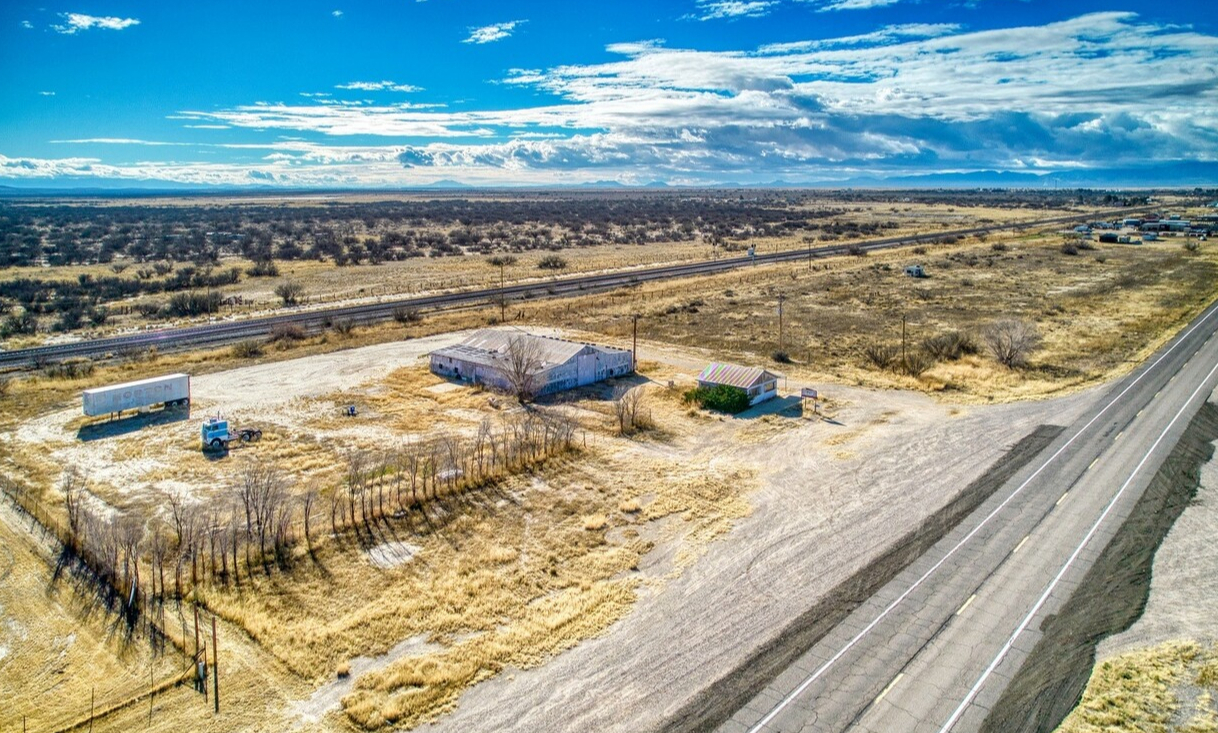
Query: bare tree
[628,406]
[307,503]
[522,364]
[1012,341]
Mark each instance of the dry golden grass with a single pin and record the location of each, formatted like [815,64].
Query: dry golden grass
[1147,690]
[52,655]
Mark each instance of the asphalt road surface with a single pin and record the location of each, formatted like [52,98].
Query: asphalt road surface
[934,649]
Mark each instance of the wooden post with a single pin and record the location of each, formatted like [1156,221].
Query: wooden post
[151,690]
[781,298]
[215,663]
[634,349]
[903,362]
[199,682]
[92,699]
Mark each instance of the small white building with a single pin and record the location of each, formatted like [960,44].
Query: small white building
[759,384]
[553,364]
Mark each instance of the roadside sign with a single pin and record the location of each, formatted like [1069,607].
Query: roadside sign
[807,393]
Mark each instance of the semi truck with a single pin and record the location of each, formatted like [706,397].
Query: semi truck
[216,434]
[171,390]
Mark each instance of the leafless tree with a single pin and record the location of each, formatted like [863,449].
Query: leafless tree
[307,504]
[628,406]
[73,486]
[522,362]
[1012,341]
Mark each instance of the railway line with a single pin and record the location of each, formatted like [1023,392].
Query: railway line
[218,333]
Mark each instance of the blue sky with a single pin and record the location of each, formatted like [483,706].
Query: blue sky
[409,92]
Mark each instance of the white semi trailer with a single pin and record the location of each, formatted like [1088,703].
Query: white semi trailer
[170,390]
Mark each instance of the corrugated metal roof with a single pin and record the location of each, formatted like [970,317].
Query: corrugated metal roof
[490,347]
[734,375]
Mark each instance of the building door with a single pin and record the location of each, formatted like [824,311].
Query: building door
[585,369]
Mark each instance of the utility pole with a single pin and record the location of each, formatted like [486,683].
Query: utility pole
[903,339]
[502,295]
[634,349]
[215,663]
[781,298]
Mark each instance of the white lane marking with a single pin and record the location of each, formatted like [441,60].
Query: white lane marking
[1118,436]
[1021,543]
[967,603]
[888,689]
[1059,501]
[1092,464]
[1023,625]
[791,696]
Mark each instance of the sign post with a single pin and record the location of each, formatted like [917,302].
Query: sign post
[808,393]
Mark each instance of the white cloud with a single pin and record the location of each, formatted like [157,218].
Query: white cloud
[493,32]
[26,24]
[336,13]
[76,22]
[827,5]
[47,94]
[1101,89]
[713,9]
[376,86]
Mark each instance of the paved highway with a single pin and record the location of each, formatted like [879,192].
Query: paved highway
[237,330]
[933,650]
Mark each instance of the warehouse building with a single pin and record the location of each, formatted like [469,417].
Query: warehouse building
[502,359]
[759,384]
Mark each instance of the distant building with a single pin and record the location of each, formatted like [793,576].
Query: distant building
[915,271]
[553,364]
[759,384]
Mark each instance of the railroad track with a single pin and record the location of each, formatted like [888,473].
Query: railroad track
[211,334]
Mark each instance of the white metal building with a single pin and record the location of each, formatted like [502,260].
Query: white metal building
[759,384]
[555,364]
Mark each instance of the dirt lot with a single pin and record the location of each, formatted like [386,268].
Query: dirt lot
[543,579]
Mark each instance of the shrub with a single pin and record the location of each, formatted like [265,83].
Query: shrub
[950,346]
[5,383]
[856,251]
[19,323]
[999,247]
[1192,245]
[919,250]
[1069,248]
[288,332]
[782,357]
[344,327]
[194,304]
[720,398]
[501,260]
[247,349]
[407,315]
[290,292]
[916,363]
[879,355]
[552,262]
[70,369]
[1012,341]
[263,268]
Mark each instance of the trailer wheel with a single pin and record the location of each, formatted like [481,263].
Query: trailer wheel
[257,435]
[246,436]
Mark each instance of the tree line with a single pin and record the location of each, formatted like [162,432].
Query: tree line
[134,564]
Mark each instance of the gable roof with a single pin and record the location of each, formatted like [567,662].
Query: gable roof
[734,375]
[490,346]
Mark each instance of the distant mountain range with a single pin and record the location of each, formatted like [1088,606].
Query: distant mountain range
[1174,175]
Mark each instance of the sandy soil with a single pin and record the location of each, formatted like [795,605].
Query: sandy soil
[834,491]
[833,494]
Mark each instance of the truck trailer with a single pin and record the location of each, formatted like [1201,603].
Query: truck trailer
[171,390]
